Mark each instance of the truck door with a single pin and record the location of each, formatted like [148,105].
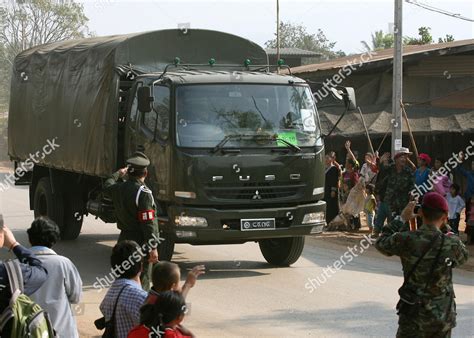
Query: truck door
[152,134]
[131,142]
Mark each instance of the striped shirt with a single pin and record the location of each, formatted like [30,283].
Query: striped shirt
[127,315]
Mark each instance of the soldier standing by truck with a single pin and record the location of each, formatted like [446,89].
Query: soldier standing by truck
[135,210]
[426,307]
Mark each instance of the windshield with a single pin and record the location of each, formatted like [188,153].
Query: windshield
[275,114]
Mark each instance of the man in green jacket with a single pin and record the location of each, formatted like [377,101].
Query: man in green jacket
[135,210]
[428,255]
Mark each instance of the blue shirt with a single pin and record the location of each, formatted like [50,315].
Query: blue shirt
[34,275]
[421,177]
[127,315]
[470,182]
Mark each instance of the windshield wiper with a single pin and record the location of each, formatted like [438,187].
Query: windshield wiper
[289,144]
[226,139]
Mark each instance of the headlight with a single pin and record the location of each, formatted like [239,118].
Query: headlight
[314,217]
[190,221]
[317,191]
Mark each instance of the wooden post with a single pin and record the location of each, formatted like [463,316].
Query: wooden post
[412,139]
[366,131]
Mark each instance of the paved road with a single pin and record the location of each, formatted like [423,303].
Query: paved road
[242,296]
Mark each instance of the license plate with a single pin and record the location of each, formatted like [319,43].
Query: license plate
[257,224]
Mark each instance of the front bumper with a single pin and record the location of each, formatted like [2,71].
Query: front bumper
[224,225]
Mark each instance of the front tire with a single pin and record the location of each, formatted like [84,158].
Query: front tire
[282,251]
[165,248]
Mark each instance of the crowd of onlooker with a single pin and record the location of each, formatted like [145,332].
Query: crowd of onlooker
[53,282]
[382,186]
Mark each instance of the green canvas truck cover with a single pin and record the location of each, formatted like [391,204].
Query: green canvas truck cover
[68,91]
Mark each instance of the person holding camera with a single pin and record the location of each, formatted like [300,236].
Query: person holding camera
[428,255]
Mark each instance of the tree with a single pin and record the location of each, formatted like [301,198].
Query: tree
[35,22]
[296,35]
[380,40]
[448,38]
[28,23]
[424,39]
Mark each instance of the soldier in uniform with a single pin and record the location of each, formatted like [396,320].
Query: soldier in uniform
[136,210]
[428,255]
[399,181]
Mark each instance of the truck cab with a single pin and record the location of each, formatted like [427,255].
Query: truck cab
[236,156]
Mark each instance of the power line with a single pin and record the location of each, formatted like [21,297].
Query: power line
[438,10]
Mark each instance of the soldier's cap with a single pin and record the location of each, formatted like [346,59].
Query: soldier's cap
[402,151]
[435,201]
[138,161]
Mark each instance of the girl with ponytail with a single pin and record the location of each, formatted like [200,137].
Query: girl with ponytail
[161,317]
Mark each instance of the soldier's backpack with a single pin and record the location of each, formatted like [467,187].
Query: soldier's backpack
[27,318]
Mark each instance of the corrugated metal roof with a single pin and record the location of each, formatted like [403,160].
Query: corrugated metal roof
[292,52]
[423,120]
[387,54]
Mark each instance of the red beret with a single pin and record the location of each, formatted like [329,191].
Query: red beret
[425,157]
[433,200]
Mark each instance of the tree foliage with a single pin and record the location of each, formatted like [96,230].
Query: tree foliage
[381,40]
[425,37]
[28,23]
[297,36]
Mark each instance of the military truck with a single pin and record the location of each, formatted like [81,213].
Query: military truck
[236,149]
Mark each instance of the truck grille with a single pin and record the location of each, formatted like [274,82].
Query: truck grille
[254,191]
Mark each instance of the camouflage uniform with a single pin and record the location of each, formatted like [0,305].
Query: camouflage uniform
[135,210]
[398,187]
[431,280]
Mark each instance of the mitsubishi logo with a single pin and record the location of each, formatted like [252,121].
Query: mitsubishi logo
[257,196]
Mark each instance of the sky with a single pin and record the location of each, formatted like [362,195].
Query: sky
[346,22]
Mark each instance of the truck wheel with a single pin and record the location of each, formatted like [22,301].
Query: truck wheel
[73,216]
[48,204]
[282,251]
[166,248]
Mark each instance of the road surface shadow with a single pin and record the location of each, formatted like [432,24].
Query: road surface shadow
[225,269]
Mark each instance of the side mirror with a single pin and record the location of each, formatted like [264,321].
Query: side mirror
[350,98]
[145,99]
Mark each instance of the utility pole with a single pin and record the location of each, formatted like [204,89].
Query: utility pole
[278,30]
[397,79]
[278,34]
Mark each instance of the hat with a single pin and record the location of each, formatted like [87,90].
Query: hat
[402,151]
[425,157]
[434,200]
[138,160]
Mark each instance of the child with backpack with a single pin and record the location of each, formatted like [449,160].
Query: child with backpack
[162,318]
